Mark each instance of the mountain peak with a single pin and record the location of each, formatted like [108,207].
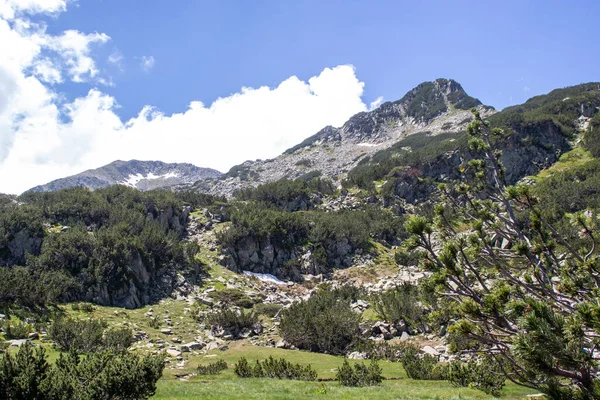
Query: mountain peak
[429,100]
[143,175]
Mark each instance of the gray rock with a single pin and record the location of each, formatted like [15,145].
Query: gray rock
[355,355]
[174,352]
[187,347]
[212,346]
[430,350]
[18,342]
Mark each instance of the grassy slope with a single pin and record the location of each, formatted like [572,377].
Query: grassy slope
[227,386]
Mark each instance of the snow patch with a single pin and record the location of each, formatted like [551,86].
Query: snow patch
[265,277]
[368,144]
[132,180]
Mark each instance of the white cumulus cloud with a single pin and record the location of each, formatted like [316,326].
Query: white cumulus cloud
[42,137]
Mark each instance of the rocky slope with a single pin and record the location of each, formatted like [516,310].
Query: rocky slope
[433,107]
[142,175]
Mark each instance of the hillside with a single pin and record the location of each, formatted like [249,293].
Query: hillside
[408,256]
[142,175]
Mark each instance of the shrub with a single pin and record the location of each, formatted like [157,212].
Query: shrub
[21,285]
[484,375]
[86,307]
[360,375]
[323,323]
[232,321]
[233,297]
[212,368]
[89,335]
[275,368]
[267,309]
[422,367]
[118,339]
[243,369]
[98,376]
[16,330]
[80,335]
[154,322]
[400,304]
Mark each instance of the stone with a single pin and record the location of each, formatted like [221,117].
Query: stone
[441,349]
[355,355]
[212,346]
[166,331]
[18,342]
[430,350]
[404,336]
[173,352]
[188,347]
[206,301]
[34,336]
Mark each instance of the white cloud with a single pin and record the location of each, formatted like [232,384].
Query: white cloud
[374,104]
[147,63]
[45,71]
[526,89]
[9,8]
[43,138]
[74,48]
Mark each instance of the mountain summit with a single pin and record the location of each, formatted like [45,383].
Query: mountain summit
[142,175]
[434,107]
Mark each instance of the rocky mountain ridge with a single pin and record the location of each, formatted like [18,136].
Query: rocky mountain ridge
[433,107]
[142,175]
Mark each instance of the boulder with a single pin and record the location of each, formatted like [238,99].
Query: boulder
[174,352]
[212,346]
[188,347]
[355,355]
[430,350]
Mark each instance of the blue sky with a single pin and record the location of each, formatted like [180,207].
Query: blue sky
[502,52]
[215,83]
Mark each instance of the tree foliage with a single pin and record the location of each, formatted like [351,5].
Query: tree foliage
[526,295]
[360,375]
[79,241]
[98,376]
[323,323]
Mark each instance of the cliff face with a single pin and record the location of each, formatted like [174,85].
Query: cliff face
[262,256]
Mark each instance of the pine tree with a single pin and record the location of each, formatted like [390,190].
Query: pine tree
[525,293]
